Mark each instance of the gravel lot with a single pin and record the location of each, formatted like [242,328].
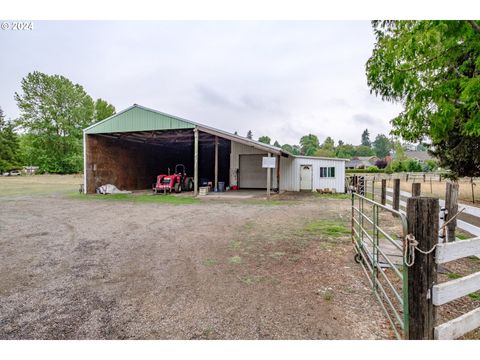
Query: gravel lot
[216,269]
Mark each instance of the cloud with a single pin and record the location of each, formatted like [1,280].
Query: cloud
[283,79]
[215,98]
[366,119]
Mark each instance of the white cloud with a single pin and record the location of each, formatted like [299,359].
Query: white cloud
[282,79]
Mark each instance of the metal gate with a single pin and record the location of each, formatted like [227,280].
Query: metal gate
[378,234]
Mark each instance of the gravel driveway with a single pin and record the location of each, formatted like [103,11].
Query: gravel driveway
[236,269]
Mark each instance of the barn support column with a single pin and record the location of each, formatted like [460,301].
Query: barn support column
[269,172]
[84,162]
[215,186]
[195,162]
[278,173]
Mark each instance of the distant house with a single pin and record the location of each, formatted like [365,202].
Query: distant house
[361,162]
[420,156]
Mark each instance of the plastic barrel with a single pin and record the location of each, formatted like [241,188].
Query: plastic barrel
[221,186]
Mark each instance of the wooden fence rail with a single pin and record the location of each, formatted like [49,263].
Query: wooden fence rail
[454,289]
[452,251]
[457,327]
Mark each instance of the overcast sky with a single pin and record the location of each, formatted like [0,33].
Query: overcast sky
[282,79]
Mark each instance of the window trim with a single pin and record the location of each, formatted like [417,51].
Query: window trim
[327,172]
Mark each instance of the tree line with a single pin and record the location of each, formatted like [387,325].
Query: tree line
[430,67]
[309,145]
[48,132]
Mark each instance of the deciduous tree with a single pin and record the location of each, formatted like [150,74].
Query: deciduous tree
[53,112]
[265,140]
[309,144]
[382,146]
[433,69]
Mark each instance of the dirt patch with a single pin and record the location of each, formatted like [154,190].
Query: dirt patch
[79,269]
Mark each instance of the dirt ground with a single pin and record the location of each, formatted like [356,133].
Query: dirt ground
[215,269]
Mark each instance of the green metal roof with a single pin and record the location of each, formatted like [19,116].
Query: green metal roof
[138,118]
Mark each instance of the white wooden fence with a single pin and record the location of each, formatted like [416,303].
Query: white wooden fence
[471,210]
[454,289]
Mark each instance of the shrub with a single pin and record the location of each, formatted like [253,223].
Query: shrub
[381,164]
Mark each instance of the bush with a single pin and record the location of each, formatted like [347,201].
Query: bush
[372,169]
[412,165]
[431,165]
[381,164]
[397,166]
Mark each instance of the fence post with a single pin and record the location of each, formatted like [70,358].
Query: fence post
[416,189]
[383,195]
[473,190]
[451,206]
[373,189]
[422,217]
[396,194]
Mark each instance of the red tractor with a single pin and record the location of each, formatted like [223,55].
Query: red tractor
[177,182]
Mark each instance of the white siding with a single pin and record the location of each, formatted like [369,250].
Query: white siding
[290,170]
[290,173]
[238,149]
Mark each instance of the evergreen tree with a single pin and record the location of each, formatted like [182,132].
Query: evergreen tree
[9,147]
[366,138]
[249,134]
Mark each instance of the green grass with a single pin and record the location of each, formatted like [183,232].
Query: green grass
[210,262]
[39,184]
[328,295]
[235,260]
[330,228]
[333,196]
[462,236]
[475,296]
[146,198]
[453,275]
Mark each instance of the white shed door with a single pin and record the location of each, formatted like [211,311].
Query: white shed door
[305,177]
[252,175]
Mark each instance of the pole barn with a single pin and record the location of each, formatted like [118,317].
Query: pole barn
[132,147]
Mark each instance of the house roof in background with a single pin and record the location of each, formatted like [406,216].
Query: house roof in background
[419,155]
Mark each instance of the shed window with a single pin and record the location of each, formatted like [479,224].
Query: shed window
[327,172]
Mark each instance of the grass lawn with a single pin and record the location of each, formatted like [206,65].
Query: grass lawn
[39,184]
[145,198]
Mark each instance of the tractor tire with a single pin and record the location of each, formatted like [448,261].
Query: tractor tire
[177,188]
[189,186]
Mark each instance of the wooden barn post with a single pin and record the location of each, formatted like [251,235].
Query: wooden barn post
[195,162]
[422,217]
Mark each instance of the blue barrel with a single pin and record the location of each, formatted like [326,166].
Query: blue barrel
[221,186]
